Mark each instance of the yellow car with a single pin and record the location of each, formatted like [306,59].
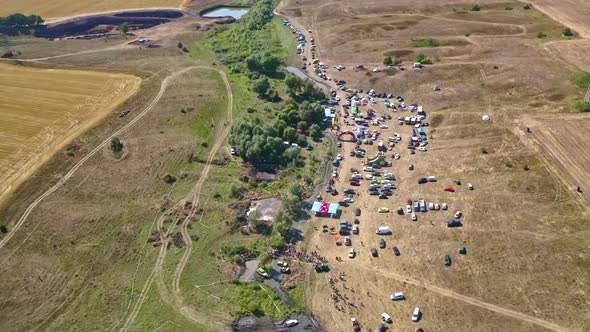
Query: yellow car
[383,210]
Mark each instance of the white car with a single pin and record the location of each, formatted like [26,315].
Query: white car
[397,296]
[469,186]
[351,253]
[368,177]
[436,206]
[334,174]
[414,218]
[291,322]
[339,157]
[232,151]
[458,214]
[408,208]
[349,200]
[383,126]
[377,70]
[416,315]
[397,156]
[422,148]
[444,206]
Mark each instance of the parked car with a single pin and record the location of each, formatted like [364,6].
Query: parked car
[408,208]
[447,260]
[374,252]
[355,183]
[233,151]
[416,314]
[355,325]
[383,210]
[386,318]
[373,192]
[469,186]
[291,322]
[444,206]
[357,212]
[422,180]
[285,270]
[396,156]
[262,272]
[355,229]
[431,179]
[382,196]
[382,244]
[411,167]
[400,211]
[458,214]
[347,241]
[454,223]
[396,251]
[414,218]
[351,253]
[397,296]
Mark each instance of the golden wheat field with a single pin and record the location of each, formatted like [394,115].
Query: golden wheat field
[41,110]
[64,8]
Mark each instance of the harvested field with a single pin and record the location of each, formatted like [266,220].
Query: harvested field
[65,8]
[564,140]
[43,110]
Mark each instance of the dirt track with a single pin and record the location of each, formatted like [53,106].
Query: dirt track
[175,297]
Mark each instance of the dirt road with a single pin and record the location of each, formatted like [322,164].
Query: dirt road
[175,298]
[106,142]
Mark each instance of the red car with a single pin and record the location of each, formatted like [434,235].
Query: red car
[355,183]
[450,189]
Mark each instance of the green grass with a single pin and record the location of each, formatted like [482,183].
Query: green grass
[582,79]
[429,42]
[297,294]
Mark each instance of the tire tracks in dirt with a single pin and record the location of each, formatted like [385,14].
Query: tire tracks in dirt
[476,302]
[174,298]
[90,154]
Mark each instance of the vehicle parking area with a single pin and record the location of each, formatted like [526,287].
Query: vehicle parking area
[525,247]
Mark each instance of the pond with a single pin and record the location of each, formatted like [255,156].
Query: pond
[227,11]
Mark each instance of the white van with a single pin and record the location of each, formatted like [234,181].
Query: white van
[368,169]
[383,230]
[397,296]
[416,315]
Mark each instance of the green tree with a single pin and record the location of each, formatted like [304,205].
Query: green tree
[291,154]
[290,134]
[568,32]
[315,131]
[397,61]
[423,59]
[527,6]
[261,86]
[169,179]
[124,27]
[541,34]
[116,145]
[3,229]
[475,8]
[295,189]
[388,61]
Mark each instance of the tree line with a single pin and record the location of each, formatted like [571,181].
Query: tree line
[20,20]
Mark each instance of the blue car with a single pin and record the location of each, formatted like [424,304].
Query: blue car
[447,260]
[396,251]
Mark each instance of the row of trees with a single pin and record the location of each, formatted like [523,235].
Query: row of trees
[20,20]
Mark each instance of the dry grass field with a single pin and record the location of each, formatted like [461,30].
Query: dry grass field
[44,109]
[525,230]
[65,8]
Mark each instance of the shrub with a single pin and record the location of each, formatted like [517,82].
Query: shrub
[204,144]
[116,145]
[7,54]
[169,179]
[3,229]
[387,61]
[483,150]
[508,8]
[582,106]
[568,32]
[541,34]
[423,59]
[582,79]
[527,6]
[475,8]
[428,42]
[397,61]
[525,167]
[179,45]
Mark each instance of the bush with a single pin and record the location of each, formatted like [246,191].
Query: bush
[527,6]
[3,229]
[204,144]
[423,59]
[582,106]
[116,145]
[582,79]
[525,167]
[428,42]
[387,61]
[475,8]
[508,8]
[568,32]
[179,45]
[483,151]
[541,34]
[7,55]
[169,179]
